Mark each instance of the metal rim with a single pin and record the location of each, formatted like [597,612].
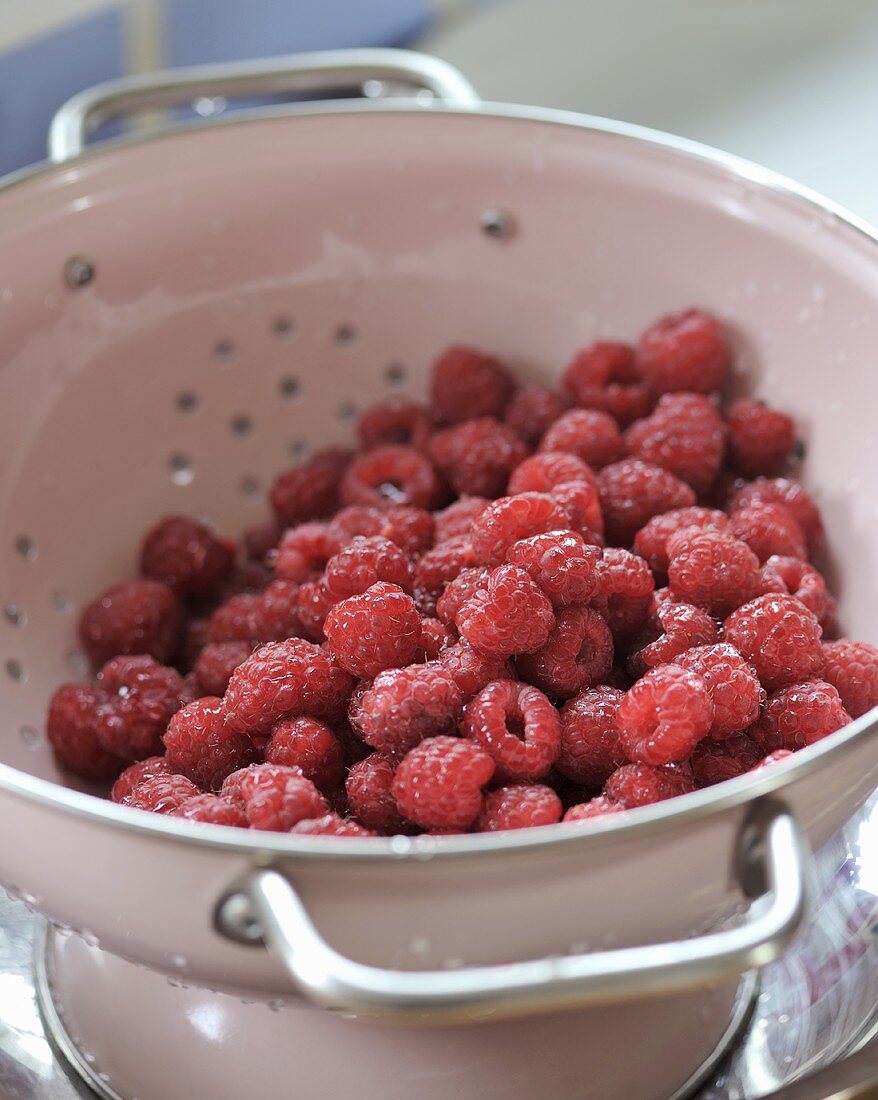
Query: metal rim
[671,813]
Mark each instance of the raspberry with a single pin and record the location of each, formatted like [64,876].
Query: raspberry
[731,683]
[789,493]
[512,616]
[185,555]
[274,798]
[437,568]
[216,663]
[378,629]
[797,716]
[685,435]
[465,384]
[312,604]
[713,570]
[132,618]
[439,783]
[71,727]
[560,563]
[478,456]
[595,807]
[581,503]
[235,620]
[411,528]
[434,638]
[309,745]
[543,472]
[135,774]
[651,541]
[779,637]
[472,670]
[577,654]
[212,810]
[684,351]
[624,588]
[162,794]
[760,439]
[391,474]
[589,434]
[773,758]
[369,795]
[329,825]
[518,726]
[457,592]
[673,628]
[604,376]
[799,579]
[531,411]
[714,761]
[310,490]
[641,784]
[394,422]
[632,492]
[240,785]
[518,807]
[769,529]
[456,520]
[284,679]
[142,696]
[199,745]
[260,540]
[194,640]
[511,519]
[852,669]
[278,612]
[304,551]
[590,747]
[364,562]
[402,706]
[664,716]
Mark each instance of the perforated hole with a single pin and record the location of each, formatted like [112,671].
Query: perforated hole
[345,334]
[225,351]
[187,401]
[14,615]
[395,374]
[61,602]
[346,410]
[251,486]
[290,387]
[26,548]
[14,671]
[298,448]
[30,736]
[181,469]
[240,424]
[283,327]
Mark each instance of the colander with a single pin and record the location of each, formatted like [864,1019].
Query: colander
[185,313]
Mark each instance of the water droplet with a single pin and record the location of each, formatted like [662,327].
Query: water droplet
[453,962]
[89,939]
[783,1018]
[89,1057]
[178,983]
[818,292]
[419,945]
[104,1077]
[578,947]
[803,314]
[400,845]
[277,1006]
[6,296]
[178,960]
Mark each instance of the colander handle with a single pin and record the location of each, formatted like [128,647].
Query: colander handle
[266,909]
[294,74]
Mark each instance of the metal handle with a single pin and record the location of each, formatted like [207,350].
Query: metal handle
[291,75]
[267,909]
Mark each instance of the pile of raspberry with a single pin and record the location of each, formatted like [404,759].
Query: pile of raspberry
[507,608]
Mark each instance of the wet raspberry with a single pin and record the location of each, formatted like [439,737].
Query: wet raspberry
[284,680]
[457,592]
[779,637]
[713,570]
[852,669]
[633,491]
[801,580]
[260,540]
[478,456]
[797,716]
[685,435]
[240,785]
[275,798]
[142,696]
[560,563]
[235,620]
[595,807]
[378,629]
[132,618]
[402,706]
[518,726]
[313,602]
[732,684]
[760,439]
[684,351]
[715,761]
[212,810]
[279,612]
[769,529]
[199,745]
[518,807]
[531,411]
[664,715]
[370,798]
[310,490]
[673,628]
[304,551]
[789,493]
[309,745]
[364,562]
[216,663]
[434,638]
[577,654]
[439,783]
[651,541]
[589,434]
[624,591]
[437,568]
[604,376]
[193,641]
[465,384]
[329,825]
[511,519]
[456,520]
[590,746]
[543,472]
[411,529]
[472,670]
[135,774]
[511,616]
[642,784]
[184,554]
[395,422]
[162,794]
[581,504]
[391,474]
[71,728]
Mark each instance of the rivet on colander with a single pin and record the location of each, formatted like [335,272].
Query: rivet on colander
[497,223]
[78,271]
